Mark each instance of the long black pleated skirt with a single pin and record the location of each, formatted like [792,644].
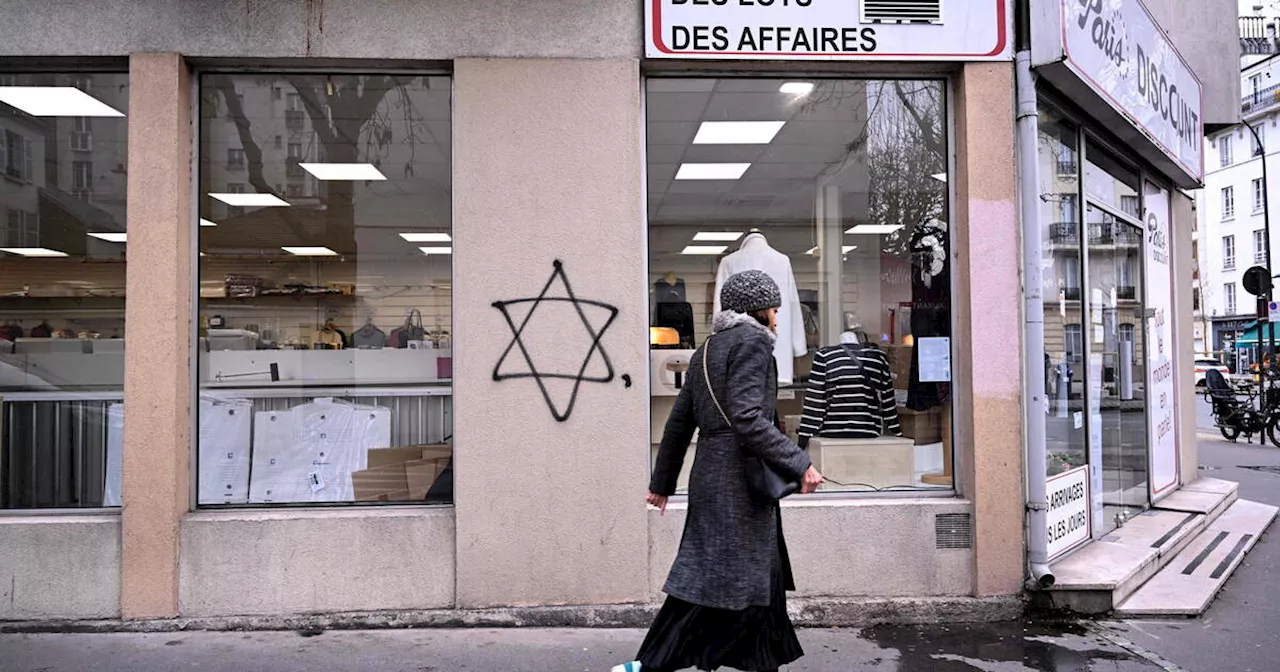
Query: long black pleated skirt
[686,635]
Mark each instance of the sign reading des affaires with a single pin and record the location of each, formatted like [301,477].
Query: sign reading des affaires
[924,30]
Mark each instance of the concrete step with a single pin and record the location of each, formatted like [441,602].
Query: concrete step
[1106,572]
[1189,582]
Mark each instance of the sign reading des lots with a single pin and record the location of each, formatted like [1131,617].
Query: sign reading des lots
[936,30]
[1115,50]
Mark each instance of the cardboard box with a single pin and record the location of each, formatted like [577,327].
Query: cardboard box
[400,474]
[922,426]
[884,462]
[899,364]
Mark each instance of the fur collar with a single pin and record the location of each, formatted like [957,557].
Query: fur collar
[727,319]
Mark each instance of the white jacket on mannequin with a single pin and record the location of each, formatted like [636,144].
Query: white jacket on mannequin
[756,254]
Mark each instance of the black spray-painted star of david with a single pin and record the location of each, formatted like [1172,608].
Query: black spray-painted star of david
[540,377]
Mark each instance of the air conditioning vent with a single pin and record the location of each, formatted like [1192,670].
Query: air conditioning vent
[954,530]
[902,11]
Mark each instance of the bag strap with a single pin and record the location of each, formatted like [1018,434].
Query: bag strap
[707,376]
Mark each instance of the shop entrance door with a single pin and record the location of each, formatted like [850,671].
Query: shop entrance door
[1116,367]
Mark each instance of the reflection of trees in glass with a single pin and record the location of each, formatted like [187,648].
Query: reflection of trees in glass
[906,149]
[356,119]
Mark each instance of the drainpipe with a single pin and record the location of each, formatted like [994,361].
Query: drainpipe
[1033,375]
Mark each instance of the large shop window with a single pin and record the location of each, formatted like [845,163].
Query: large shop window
[63,144]
[325,227]
[838,189]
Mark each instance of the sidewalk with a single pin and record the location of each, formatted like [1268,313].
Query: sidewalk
[1000,647]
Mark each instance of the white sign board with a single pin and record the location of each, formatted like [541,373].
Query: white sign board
[1068,517]
[1273,311]
[1119,51]
[1162,398]
[923,30]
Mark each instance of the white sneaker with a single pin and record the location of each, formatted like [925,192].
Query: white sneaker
[633,666]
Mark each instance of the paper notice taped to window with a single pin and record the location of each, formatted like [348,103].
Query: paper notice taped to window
[935,359]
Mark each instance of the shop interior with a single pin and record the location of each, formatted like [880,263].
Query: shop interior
[838,189]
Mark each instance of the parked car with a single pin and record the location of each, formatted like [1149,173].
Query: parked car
[1203,365]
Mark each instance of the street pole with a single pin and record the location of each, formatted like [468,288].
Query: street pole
[1266,225]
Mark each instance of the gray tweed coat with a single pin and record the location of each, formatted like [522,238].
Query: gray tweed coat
[731,543]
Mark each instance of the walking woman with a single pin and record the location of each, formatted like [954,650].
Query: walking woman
[726,603]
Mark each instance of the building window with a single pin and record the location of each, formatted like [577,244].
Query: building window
[1228,253]
[1258,195]
[235,158]
[365,266]
[1224,150]
[1073,342]
[82,180]
[879,241]
[1195,298]
[1229,298]
[81,134]
[19,157]
[1259,247]
[62,299]
[1258,144]
[1228,202]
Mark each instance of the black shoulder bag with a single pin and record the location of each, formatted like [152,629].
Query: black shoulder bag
[764,483]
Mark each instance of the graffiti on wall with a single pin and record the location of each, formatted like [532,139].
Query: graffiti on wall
[597,323]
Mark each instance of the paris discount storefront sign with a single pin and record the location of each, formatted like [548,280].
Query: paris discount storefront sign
[1112,58]
[935,30]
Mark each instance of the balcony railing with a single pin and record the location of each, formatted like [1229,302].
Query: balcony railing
[1260,100]
[1064,233]
[1126,293]
[1067,167]
[1258,36]
[1071,293]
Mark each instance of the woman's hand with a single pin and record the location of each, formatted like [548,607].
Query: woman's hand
[811,480]
[659,501]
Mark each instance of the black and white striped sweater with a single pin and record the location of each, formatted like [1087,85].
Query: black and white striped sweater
[850,395]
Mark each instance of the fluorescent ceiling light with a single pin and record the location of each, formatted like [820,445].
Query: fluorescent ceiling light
[343,171]
[717,236]
[109,237]
[797,88]
[33,251]
[737,132]
[873,229]
[705,249]
[711,171]
[941,177]
[426,237]
[844,250]
[251,200]
[56,101]
[205,222]
[310,251]
[436,250]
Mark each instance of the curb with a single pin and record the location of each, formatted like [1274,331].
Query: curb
[809,612]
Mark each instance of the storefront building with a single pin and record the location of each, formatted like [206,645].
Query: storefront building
[410,292]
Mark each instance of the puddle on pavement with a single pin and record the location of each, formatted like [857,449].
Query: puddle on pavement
[1017,646]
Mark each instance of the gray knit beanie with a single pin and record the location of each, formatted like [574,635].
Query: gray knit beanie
[750,291]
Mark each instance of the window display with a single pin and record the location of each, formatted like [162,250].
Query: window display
[838,190]
[63,236]
[325,352]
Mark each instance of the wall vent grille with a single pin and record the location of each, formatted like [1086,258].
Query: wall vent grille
[902,11]
[954,530]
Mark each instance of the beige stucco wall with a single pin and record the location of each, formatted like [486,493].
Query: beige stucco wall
[59,567]
[547,167]
[988,367]
[309,561]
[157,383]
[848,548]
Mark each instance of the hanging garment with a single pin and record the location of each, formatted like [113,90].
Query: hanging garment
[665,292]
[850,395]
[755,254]
[369,337]
[930,310]
[678,316]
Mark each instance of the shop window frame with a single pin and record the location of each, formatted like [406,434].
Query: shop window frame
[427,69]
[961,440]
